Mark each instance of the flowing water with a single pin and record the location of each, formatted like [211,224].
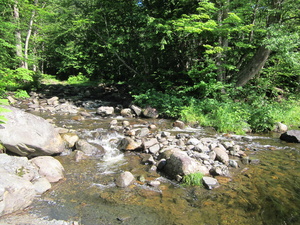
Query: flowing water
[267,193]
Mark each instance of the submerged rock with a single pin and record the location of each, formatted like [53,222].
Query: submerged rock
[125,179]
[105,111]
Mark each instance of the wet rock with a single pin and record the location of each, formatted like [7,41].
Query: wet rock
[150,142]
[179,163]
[291,136]
[233,163]
[221,155]
[210,182]
[154,149]
[228,144]
[53,101]
[150,112]
[88,148]
[235,150]
[200,156]
[165,134]
[49,167]
[113,122]
[152,127]
[245,160]
[79,155]
[219,170]
[147,159]
[129,144]
[78,118]
[66,108]
[161,163]
[85,114]
[179,124]
[105,111]
[124,179]
[126,123]
[143,132]
[70,139]
[32,135]
[136,109]
[193,141]
[254,161]
[126,112]
[154,183]
[16,193]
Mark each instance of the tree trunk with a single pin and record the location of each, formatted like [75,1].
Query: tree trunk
[253,67]
[18,35]
[223,42]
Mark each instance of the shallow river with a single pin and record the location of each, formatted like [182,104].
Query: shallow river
[267,193]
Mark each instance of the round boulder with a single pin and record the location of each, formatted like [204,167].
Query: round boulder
[28,135]
[49,167]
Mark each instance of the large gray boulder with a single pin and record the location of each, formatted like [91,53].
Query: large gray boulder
[19,166]
[28,135]
[291,136]
[179,163]
[16,193]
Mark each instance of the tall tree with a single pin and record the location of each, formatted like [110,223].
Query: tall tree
[279,14]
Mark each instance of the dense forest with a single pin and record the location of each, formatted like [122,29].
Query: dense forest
[234,65]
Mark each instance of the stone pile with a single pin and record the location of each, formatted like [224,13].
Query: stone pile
[178,154]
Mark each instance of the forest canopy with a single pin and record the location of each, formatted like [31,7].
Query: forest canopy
[201,50]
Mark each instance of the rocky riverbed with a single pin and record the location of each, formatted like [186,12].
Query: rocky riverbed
[121,154]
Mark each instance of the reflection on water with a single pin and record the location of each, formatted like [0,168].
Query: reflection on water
[268,193]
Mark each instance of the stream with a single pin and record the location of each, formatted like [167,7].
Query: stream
[266,193]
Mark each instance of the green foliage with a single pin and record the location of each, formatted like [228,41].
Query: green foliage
[224,116]
[11,80]
[167,104]
[193,179]
[79,79]
[21,94]
[3,102]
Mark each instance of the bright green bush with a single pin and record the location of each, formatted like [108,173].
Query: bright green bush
[11,80]
[21,94]
[193,179]
[79,79]
[167,104]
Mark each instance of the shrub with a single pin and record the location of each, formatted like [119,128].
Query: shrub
[79,79]
[193,179]
[167,104]
[21,94]
[20,78]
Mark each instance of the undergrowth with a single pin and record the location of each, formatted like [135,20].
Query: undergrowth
[193,179]
[227,114]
